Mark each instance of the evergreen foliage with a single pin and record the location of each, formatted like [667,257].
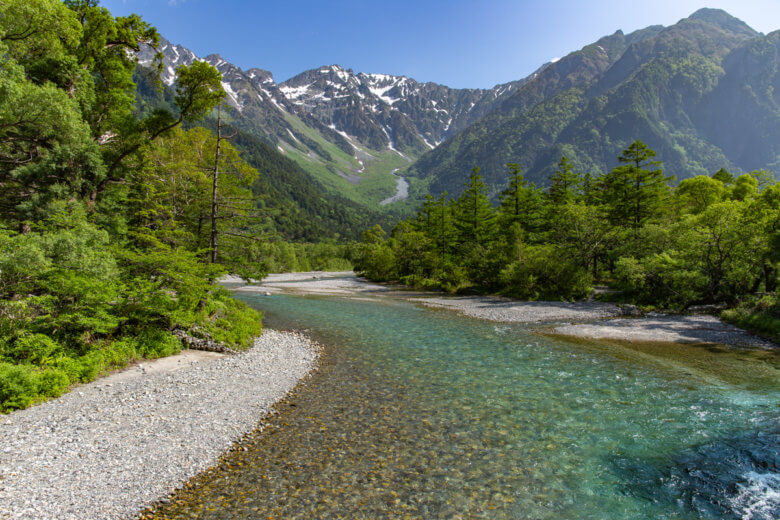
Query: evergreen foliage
[101,256]
[711,240]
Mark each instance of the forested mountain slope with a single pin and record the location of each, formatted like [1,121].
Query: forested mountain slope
[348,130]
[703,93]
[292,205]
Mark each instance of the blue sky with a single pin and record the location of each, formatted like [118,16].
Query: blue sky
[475,43]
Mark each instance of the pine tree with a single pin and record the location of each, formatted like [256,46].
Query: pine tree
[564,183]
[512,198]
[521,203]
[723,176]
[475,219]
[637,189]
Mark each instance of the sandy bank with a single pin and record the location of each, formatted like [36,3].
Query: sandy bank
[112,447]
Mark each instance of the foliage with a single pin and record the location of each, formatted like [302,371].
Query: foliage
[100,258]
[760,315]
[711,240]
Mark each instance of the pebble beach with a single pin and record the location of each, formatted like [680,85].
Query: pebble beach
[110,448]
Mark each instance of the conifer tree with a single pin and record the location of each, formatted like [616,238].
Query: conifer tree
[474,217]
[636,190]
[564,183]
[512,198]
[723,176]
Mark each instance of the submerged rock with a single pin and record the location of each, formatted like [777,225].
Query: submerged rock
[735,478]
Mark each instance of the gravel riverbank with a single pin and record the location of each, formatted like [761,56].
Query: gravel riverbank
[669,329]
[112,447]
[514,311]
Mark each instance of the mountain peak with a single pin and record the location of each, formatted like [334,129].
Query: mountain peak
[723,20]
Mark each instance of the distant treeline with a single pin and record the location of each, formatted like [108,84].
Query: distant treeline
[709,240]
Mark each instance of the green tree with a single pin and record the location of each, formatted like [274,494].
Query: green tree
[475,220]
[636,190]
[521,205]
[723,176]
[513,198]
[564,183]
[698,193]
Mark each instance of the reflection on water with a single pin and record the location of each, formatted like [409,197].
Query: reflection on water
[418,413]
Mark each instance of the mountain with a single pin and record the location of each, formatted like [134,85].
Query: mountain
[385,111]
[350,131]
[703,93]
[295,206]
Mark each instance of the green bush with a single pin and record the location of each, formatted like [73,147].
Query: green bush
[229,321]
[660,278]
[760,316]
[18,387]
[543,273]
[36,349]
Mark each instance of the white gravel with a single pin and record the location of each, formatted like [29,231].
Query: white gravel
[340,283]
[671,329]
[514,311]
[107,450]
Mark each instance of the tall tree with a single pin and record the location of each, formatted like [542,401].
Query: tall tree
[637,189]
[475,219]
[564,183]
[514,196]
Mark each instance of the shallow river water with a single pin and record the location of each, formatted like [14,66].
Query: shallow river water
[418,413]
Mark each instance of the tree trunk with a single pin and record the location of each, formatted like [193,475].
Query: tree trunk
[214,192]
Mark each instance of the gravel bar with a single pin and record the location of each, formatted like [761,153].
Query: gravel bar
[109,450]
[668,329]
[514,311]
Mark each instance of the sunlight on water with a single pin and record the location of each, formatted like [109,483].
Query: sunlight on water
[425,414]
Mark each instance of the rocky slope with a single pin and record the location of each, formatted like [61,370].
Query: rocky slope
[334,122]
[703,93]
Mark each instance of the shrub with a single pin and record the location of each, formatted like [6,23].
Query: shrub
[543,272]
[36,349]
[18,387]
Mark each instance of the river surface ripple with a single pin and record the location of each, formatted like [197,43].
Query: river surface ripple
[419,413]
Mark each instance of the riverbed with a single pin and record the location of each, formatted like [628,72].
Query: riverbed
[419,412]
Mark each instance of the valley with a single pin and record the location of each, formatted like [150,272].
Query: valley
[332,292]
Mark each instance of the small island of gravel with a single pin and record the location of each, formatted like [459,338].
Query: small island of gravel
[112,447]
[513,311]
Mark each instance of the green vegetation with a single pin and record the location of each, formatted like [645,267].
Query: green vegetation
[703,93]
[107,210]
[710,240]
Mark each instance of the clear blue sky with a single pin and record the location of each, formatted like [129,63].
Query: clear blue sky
[459,43]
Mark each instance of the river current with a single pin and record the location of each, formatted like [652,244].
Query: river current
[419,413]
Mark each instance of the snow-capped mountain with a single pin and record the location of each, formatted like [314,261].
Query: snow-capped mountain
[381,110]
[376,111]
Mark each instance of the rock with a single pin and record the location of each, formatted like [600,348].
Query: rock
[706,309]
[630,310]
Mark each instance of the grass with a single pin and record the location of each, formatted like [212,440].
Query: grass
[377,182]
[761,317]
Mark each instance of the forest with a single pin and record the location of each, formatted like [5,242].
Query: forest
[125,201]
[110,216]
[709,240]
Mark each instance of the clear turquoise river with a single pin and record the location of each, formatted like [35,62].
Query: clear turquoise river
[419,413]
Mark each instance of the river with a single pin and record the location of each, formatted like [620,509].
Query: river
[421,413]
[401,190]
